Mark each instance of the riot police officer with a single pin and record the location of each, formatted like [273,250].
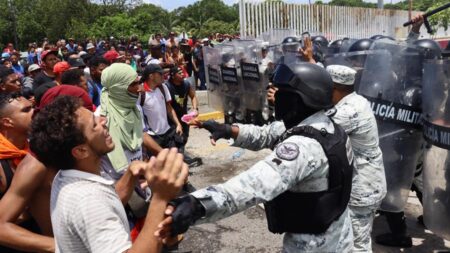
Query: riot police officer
[305,182]
[355,115]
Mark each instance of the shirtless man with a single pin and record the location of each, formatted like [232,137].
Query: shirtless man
[15,115]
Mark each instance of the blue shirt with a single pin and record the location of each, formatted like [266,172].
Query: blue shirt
[18,69]
[95,90]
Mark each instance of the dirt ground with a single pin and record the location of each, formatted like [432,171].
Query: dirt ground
[247,231]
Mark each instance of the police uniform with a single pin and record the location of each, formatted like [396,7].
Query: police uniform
[297,164]
[355,116]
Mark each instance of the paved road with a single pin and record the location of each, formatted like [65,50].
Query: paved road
[247,231]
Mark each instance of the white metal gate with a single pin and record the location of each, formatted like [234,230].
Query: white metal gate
[333,22]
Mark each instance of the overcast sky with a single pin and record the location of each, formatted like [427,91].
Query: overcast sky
[173,4]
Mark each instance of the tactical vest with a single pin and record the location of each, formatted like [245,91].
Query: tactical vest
[313,212]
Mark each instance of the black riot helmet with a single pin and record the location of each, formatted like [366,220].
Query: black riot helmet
[320,40]
[430,48]
[290,44]
[335,47]
[303,89]
[360,45]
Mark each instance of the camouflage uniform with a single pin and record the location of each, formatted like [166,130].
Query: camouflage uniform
[355,116]
[297,164]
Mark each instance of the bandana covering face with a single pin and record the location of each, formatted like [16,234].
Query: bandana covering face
[119,107]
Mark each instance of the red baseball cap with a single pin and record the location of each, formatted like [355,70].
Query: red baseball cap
[46,52]
[66,90]
[61,67]
[111,56]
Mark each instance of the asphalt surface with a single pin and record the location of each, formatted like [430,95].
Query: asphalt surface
[247,231]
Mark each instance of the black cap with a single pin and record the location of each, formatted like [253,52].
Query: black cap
[76,62]
[150,69]
[174,70]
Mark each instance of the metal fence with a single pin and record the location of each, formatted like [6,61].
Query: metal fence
[334,22]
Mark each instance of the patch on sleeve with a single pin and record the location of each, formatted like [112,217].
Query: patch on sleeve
[287,151]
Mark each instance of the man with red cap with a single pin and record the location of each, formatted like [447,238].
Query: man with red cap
[48,60]
[112,56]
[58,70]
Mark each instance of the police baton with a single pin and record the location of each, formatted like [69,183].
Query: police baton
[428,14]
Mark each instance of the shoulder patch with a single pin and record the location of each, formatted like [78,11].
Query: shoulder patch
[287,151]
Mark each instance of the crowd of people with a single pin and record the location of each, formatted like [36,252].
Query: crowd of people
[93,157]
[133,101]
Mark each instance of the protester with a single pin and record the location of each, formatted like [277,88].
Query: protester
[75,77]
[16,66]
[9,81]
[96,66]
[199,68]
[32,54]
[58,71]
[180,90]
[30,74]
[30,191]
[15,114]
[112,56]
[48,60]
[72,46]
[9,49]
[157,109]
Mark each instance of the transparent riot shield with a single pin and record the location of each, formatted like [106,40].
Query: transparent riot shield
[436,129]
[391,81]
[276,36]
[211,58]
[355,60]
[254,81]
[232,106]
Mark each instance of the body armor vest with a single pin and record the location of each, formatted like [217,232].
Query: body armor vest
[313,212]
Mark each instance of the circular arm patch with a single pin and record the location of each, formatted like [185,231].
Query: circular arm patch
[287,151]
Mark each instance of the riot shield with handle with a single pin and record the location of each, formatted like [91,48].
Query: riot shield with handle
[391,81]
[254,82]
[233,109]
[211,59]
[436,130]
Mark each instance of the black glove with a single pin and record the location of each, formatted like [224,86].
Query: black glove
[217,130]
[188,209]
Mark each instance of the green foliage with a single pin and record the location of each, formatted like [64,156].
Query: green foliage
[216,26]
[440,19]
[352,3]
[31,21]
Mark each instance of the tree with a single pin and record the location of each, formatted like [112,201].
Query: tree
[168,23]
[216,26]
[352,3]
[440,19]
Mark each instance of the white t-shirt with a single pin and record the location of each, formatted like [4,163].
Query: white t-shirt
[155,112]
[87,215]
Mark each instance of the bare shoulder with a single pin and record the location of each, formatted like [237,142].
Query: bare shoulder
[30,174]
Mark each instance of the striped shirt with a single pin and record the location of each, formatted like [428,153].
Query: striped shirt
[87,215]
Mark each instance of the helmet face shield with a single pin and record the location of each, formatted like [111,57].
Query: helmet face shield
[290,47]
[283,76]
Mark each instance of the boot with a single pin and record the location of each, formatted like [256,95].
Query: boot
[394,240]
